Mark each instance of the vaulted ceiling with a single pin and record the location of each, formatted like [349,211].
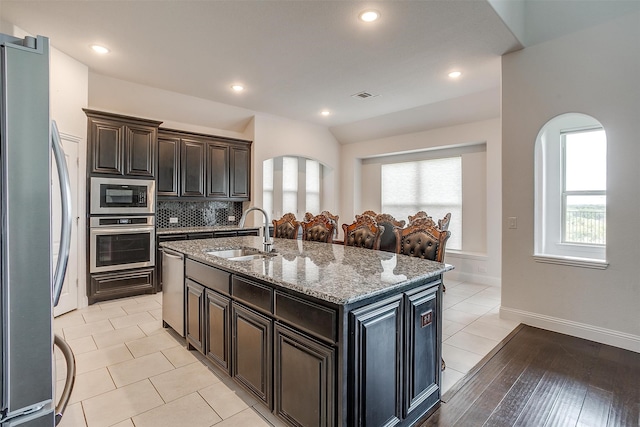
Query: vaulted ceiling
[297,58]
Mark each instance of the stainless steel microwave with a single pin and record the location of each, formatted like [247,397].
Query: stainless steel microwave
[122,196]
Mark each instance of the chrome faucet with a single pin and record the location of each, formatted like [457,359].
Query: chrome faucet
[268,242]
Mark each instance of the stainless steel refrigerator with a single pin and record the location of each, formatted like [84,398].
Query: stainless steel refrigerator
[30,287]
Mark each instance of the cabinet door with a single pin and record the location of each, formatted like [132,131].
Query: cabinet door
[218,330]
[194,309]
[422,373]
[251,352]
[192,168]
[303,379]
[240,168]
[217,170]
[106,145]
[377,335]
[168,166]
[140,144]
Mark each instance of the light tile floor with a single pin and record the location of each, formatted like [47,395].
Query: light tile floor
[132,372]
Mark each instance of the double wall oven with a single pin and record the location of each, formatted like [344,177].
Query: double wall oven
[121,227]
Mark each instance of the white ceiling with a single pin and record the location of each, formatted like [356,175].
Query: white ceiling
[295,58]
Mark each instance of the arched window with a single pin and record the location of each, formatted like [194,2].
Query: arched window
[571,191]
[292,184]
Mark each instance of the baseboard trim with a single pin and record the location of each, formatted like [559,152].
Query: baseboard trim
[473,278]
[581,330]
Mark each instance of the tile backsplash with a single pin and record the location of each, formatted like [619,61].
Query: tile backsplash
[197,214]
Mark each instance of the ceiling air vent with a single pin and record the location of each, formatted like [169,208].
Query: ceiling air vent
[363,95]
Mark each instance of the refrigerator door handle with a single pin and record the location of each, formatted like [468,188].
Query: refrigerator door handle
[71,376]
[65,196]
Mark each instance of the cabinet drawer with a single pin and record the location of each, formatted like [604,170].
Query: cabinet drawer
[253,294]
[210,277]
[311,317]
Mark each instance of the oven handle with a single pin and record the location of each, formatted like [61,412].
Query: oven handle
[116,230]
[65,196]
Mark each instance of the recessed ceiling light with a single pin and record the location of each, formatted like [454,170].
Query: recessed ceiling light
[99,49]
[455,74]
[237,88]
[369,15]
[325,112]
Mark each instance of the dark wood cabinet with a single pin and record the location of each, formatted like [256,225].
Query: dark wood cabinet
[168,166]
[239,175]
[119,284]
[194,309]
[377,331]
[217,346]
[121,145]
[251,352]
[304,385]
[312,363]
[217,170]
[192,165]
[422,366]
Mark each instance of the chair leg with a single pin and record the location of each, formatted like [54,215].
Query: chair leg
[443,365]
[444,288]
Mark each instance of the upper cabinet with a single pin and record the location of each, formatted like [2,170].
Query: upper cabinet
[121,145]
[199,166]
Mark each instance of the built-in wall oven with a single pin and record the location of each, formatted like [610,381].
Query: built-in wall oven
[120,196]
[121,242]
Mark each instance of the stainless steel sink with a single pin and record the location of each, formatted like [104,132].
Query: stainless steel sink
[240,254]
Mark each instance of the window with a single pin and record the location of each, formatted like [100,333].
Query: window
[585,183]
[571,185]
[292,184]
[433,186]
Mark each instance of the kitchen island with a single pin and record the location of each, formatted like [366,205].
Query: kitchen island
[322,334]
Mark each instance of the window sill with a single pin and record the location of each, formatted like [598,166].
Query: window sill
[572,261]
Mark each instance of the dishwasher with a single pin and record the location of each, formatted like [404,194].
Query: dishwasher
[173,290]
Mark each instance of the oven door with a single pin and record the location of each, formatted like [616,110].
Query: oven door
[120,248]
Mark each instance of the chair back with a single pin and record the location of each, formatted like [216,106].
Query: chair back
[388,237]
[318,229]
[286,227]
[421,239]
[443,224]
[421,215]
[363,233]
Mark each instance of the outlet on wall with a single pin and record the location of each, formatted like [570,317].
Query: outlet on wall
[173,220]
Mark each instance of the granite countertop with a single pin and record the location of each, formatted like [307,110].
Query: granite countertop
[334,273]
[209,228]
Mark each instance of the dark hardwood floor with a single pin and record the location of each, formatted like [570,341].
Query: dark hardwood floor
[542,378]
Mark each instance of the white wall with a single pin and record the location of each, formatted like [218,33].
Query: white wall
[277,136]
[360,190]
[594,71]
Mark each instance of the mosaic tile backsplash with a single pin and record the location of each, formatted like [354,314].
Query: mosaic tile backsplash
[197,214]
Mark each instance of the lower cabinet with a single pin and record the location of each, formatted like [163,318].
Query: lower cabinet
[284,349]
[119,284]
[218,330]
[396,359]
[304,383]
[377,330]
[194,309]
[252,351]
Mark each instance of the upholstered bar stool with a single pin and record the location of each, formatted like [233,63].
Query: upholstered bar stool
[286,227]
[363,233]
[388,237]
[318,229]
